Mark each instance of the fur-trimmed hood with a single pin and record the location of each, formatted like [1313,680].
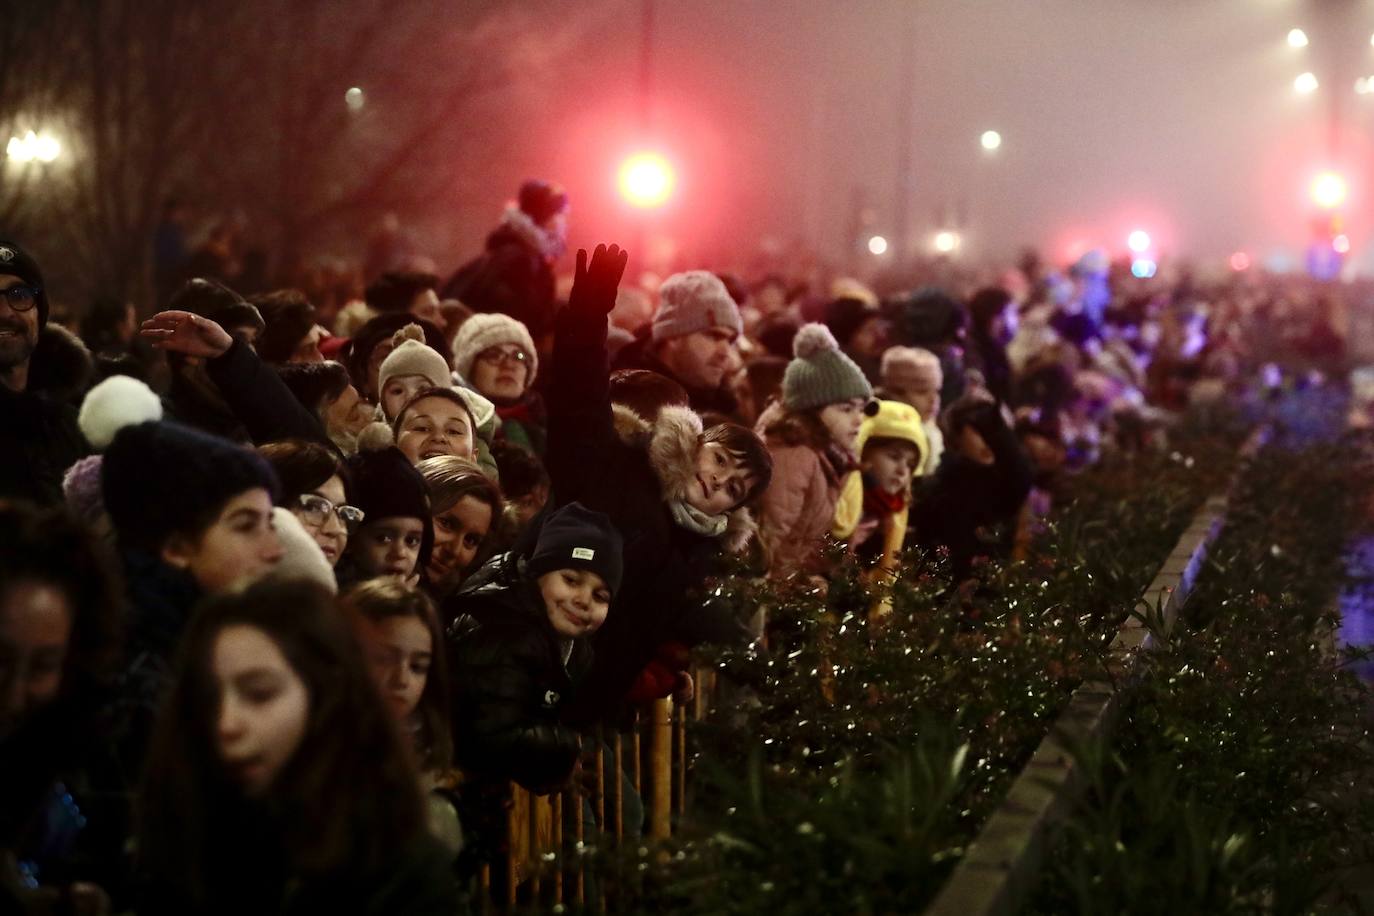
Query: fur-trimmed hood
[671,443]
[516,222]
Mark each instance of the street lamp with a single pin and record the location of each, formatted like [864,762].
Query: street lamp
[946,241]
[991,140]
[1328,190]
[43,147]
[1138,241]
[877,245]
[1297,38]
[1306,83]
[354,99]
[646,180]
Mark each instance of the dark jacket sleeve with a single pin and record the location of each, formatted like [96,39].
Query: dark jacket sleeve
[581,432]
[503,728]
[260,399]
[1014,472]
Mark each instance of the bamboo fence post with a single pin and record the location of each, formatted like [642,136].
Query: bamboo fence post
[661,762]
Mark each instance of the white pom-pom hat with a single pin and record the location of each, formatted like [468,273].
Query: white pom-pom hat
[115,403]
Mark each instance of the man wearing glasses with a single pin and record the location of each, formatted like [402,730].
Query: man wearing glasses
[42,438]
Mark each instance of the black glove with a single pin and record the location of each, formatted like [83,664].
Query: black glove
[594,285]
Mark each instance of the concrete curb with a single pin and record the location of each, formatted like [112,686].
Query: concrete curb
[1002,864]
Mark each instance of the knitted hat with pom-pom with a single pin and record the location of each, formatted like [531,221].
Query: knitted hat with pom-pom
[160,478]
[413,356]
[819,374]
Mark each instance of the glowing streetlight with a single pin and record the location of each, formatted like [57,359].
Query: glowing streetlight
[1143,268]
[1362,86]
[1240,261]
[877,245]
[946,241]
[991,140]
[43,147]
[1306,83]
[1341,244]
[354,99]
[1138,241]
[1328,190]
[646,180]
[1297,38]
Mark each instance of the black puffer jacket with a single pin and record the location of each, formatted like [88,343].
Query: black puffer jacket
[512,277]
[41,441]
[611,462]
[509,679]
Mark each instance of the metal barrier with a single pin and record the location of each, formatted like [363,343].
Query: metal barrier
[544,866]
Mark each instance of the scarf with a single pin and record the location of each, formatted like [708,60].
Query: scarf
[696,521]
[878,502]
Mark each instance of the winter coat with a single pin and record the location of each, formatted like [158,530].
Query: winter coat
[614,462]
[524,424]
[250,403]
[417,882]
[42,440]
[798,508]
[512,277]
[160,601]
[964,497]
[509,679]
[640,355]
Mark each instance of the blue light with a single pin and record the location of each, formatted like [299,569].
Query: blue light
[1143,268]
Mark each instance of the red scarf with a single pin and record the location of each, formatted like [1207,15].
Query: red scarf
[879,502]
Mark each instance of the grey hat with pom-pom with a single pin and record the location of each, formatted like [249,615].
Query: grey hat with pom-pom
[819,374]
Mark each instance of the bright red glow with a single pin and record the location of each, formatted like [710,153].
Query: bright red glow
[646,180]
[1328,190]
[1240,261]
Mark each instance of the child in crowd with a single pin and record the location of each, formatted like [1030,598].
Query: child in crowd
[399,631]
[314,488]
[277,782]
[192,515]
[495,355]
[524,483]
[519,648]
[466,506]
[396,533]
[913,376]
[436,421]
[972,503]
[811,434]
[409,368]
[676,492]
[872,511]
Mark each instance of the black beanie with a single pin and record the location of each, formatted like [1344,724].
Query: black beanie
[162,478]
[288,317]
[17,262]
[217,302]
[575,537]
[386,485]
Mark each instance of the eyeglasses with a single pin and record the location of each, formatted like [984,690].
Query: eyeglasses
[496,356]
[21,298]
[315,511]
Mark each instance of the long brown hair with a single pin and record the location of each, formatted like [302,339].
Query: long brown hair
[347,801]
[385,598]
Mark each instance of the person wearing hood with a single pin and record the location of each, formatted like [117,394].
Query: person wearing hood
[692,340]
[933,320]
[192,515]
[972,503]
[291,333]
[514,275]
[676,492]
[219,383]
[860,330]
[43,438]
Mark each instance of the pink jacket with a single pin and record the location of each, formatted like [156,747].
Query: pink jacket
[798,507]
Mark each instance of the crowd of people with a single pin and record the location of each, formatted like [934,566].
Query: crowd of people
[293,588]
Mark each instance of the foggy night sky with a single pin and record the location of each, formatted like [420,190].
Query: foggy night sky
[1175,115]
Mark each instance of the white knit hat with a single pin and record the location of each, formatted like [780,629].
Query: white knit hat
[484,331]
[413,356]
[695,300]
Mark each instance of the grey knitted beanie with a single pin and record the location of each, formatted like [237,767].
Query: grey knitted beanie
[819,373]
